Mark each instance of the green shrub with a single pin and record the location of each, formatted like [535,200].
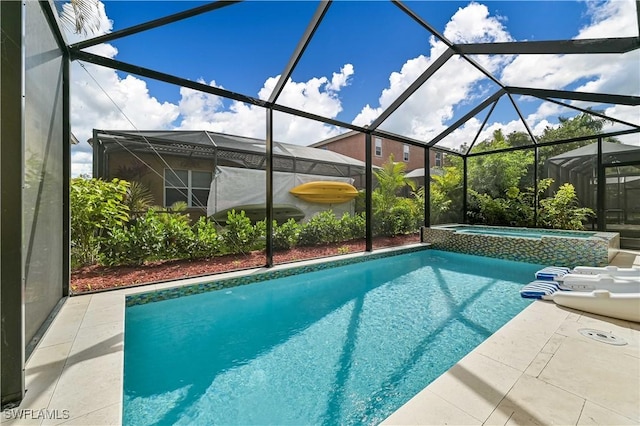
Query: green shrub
[97,208]
[177,236]
[285,236]
[562,212]
[353,226]
[239,235]
[322,228]
[141,240]
[206,241]
[400,219]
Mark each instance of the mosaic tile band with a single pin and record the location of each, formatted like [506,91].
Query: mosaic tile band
[571,252]
[173,293]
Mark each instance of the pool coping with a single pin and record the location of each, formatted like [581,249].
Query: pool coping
[76,372]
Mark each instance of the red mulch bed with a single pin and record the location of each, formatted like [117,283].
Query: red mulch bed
[95,277]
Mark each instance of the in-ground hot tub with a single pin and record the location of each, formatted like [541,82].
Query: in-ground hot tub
[542,246]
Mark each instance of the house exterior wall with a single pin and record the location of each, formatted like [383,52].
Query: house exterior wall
[123,165]
[353,146]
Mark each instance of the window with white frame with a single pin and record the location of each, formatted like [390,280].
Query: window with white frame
[405,152]
[190,186]
[378,147]
[438,159]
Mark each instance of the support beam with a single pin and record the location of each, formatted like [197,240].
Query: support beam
[596,113]
[467,116]
[435,66]
[12,303]
[427,187]
[66,174]
[555,47]
[526,125]
[300,48]
[604,98]
[465,180]
[178,81]
[424,24]
[152,24]
[601,190]
[160,76]
[368,178]
[269,187]
[536,161]
[484,123]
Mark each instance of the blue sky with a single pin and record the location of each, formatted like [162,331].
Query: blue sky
[361,58]
[241,46]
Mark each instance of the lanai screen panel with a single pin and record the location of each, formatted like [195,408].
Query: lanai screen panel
[43,237]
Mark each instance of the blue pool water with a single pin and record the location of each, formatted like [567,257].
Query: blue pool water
[522,233]
[346,345]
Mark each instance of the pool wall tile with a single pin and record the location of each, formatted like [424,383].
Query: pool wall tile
[188,290]
[560,250]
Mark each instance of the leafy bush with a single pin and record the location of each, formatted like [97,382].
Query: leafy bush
[562,211]
[97,208]
[206,241]
[177,236]
[322,228]
[400,219]
[285,236]
[141,240]
[239,235]
[353,226]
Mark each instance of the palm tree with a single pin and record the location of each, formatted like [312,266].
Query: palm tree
[391,179]
[80,15]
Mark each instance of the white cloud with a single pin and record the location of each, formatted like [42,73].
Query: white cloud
[428,112]
[318,95]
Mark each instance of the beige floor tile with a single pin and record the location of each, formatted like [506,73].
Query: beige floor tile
[593,414]
[92,342]
[553,344]
[532,401]
[427,408]
[538,364]
[97,315]
[90,385]
[65,326]
[78,300]
[589,371]
[476,384]
[518,343]
[105,300]
[111,415]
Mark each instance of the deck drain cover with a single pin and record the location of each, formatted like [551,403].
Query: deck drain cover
[602,336]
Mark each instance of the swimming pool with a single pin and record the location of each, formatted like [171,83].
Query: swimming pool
[542,246]
[346,345]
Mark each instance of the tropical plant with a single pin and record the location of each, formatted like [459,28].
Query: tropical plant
[97,207]
[138,199]
[562,211]
[391,179]
[80,15]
